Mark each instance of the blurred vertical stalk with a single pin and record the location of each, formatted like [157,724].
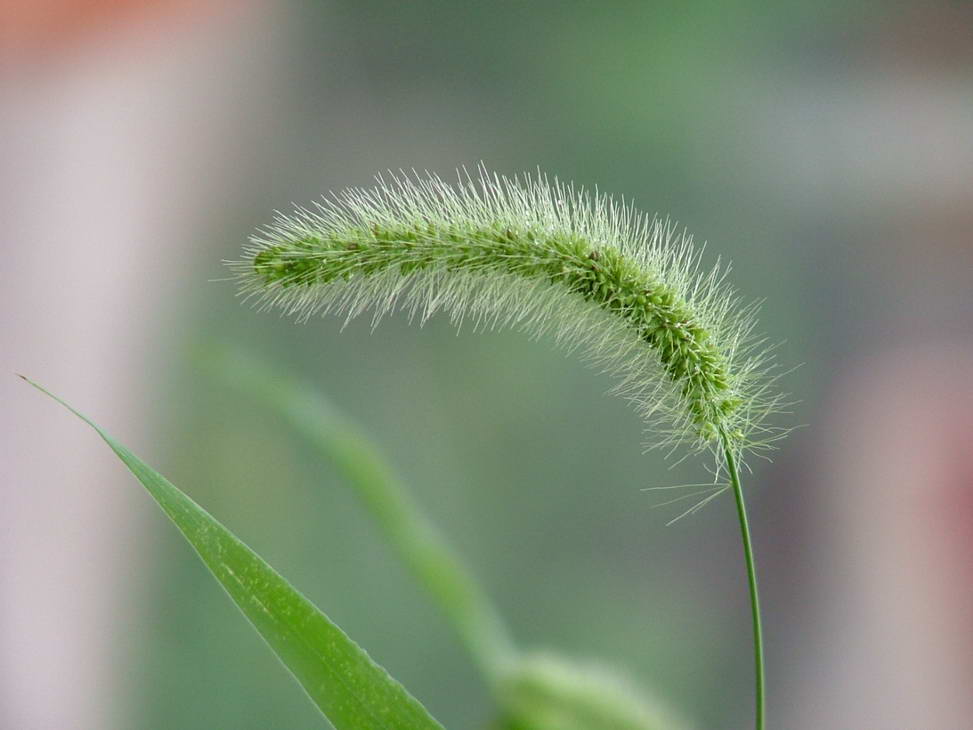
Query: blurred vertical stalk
[415,539]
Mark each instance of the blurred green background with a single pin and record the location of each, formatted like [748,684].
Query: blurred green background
[781,133]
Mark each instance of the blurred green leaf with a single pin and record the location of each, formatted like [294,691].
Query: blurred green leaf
[352,691]
[361,464]
[534,690]
[546,691]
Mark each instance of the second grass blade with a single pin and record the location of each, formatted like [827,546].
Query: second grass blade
[416,540]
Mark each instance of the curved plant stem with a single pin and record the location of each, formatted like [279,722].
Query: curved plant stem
[758,641]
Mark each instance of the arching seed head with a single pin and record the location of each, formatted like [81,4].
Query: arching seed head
[626,290]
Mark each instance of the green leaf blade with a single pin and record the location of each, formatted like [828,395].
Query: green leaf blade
[349,688]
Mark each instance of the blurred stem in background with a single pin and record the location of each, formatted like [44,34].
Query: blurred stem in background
[534,690]
[412,536]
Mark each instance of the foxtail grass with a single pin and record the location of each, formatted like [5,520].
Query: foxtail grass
[628,291]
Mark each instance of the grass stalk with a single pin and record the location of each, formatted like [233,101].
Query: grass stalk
[758,642]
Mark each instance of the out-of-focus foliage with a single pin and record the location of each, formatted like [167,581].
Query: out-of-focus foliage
[532,691]
[546,692]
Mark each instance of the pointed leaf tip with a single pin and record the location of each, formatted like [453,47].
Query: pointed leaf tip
[346,685]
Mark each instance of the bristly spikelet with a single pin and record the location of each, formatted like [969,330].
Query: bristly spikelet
[544,257]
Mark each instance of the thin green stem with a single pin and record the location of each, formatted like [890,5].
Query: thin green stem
[758,641]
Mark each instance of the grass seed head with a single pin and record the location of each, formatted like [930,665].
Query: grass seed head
[626,290]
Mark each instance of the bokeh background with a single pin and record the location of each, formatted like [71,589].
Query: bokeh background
[825,148]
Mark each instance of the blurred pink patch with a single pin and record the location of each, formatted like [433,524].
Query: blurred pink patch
[40,31]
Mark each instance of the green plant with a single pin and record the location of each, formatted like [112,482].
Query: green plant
[536,690]
[627,291]
[541,256]
[350,689]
